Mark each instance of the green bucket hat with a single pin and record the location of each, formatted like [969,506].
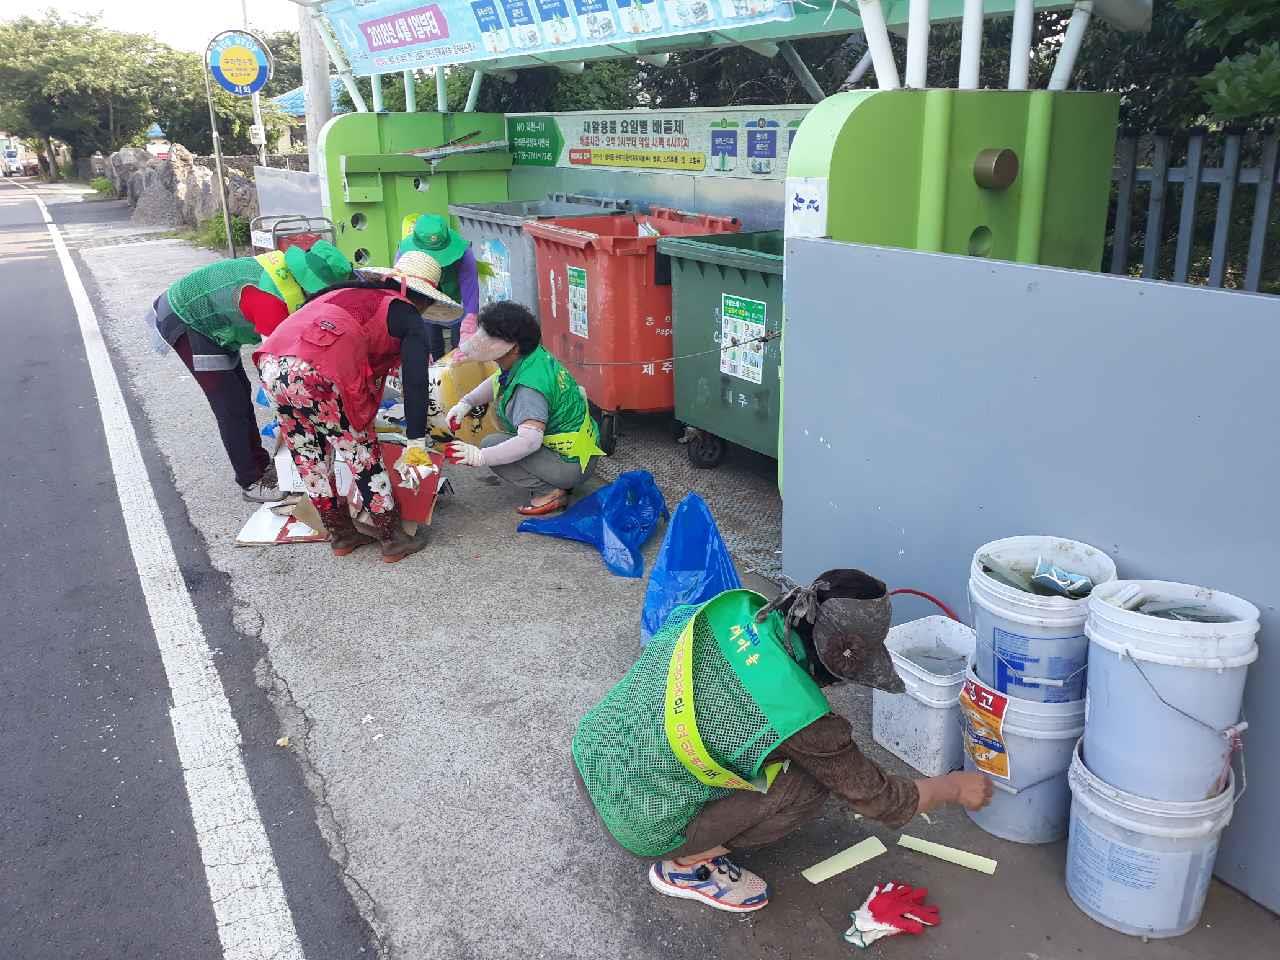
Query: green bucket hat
[432,235]
[318,268]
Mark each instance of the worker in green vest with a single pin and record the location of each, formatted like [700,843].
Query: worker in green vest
[720,736]
[548,442]
[207,316]
[431,234]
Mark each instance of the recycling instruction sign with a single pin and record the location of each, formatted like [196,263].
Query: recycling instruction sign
[534,141]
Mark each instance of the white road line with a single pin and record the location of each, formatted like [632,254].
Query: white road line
[249,905]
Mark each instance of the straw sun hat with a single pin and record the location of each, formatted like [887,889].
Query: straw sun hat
[421,273]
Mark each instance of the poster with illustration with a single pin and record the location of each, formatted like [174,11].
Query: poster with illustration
[724,145]
[689,13]
[497,285]
[639,16]
[525,34]
[558,27]
[493,34]
[596,19]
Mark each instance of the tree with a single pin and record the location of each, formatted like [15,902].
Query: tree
[70,80]
[1245,85]
[286,59]
[99,89]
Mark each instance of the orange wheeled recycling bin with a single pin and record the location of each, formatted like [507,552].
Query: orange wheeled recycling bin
[604,296]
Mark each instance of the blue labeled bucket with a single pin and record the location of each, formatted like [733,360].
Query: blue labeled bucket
[1032,805]
[1030,646]
[1165,695]
[1141,866]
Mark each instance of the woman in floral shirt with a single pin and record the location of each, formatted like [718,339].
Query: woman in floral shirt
[325,366]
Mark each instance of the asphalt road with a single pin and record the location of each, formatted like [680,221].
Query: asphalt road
[98,854]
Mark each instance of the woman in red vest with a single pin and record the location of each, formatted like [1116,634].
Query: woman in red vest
[325,366]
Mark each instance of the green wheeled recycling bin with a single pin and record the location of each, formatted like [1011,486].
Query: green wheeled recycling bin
[496,231]
[726,295]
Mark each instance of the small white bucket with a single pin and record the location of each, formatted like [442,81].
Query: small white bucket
[922,726]
[1033,805]
[1165,695]
[1141,866]
[1030,646]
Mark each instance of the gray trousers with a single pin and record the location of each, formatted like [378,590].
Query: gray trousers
[542,471]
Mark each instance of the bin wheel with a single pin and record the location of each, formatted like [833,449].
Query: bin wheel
[706,450]
[608,432]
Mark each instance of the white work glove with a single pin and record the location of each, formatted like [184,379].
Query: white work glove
[414,464]
[890,909]
[456,413]
[466,454]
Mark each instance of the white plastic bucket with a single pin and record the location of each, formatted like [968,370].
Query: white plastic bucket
[1165,695]
[1033,805]
[1030,646]
[922,725]
[1141,866]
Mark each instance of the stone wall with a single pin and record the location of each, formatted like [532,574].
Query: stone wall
[287,161]
[180,190]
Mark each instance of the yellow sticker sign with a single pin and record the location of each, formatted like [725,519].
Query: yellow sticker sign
[982,710]
[639,159]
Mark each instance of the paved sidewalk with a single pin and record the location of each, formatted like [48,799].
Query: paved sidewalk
[432,702]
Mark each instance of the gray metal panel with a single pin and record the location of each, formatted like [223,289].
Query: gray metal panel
[287,191]
[950,401]
[757,203]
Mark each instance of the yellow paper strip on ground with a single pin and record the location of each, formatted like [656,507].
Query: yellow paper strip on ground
[855,856]
[950,854]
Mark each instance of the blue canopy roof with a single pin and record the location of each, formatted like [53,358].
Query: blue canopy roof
[154,132]
[293,103]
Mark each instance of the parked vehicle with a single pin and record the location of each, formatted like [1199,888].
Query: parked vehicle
[16,160]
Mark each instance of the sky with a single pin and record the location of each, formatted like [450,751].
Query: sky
[186,25]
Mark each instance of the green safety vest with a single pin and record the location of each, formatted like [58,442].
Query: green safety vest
[696,717]
[208,301]
[570,431]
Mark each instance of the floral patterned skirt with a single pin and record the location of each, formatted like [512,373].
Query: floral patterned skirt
[316,428]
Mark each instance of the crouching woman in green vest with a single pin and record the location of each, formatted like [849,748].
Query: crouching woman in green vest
[549,441]
[720,737]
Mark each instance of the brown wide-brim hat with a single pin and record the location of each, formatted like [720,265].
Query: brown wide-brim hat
[843,618]
[421,273]
[854,614]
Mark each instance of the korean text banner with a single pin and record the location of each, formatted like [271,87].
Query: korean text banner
[386,36]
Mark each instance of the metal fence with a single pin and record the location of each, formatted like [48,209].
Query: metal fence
[1205,249]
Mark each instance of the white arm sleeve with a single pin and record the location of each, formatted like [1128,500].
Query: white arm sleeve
[481,394]
[526,441]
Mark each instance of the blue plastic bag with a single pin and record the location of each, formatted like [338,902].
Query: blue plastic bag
[692,567]
[617,520]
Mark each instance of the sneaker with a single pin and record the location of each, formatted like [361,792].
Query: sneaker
[719,883]
[266,489]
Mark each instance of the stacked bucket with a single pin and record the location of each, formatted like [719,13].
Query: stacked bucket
[1152,674]
[1024,699]
[1152,781]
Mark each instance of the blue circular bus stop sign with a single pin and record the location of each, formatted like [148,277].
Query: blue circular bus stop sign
[239,62]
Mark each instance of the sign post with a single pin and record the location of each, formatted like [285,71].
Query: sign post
[257,134]
[241,65]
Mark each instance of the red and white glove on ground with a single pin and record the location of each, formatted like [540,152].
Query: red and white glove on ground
[890,909]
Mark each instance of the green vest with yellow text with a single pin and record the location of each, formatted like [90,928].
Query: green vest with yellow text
[570,431]
[651,756]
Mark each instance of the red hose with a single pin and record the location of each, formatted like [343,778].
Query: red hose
[931,598]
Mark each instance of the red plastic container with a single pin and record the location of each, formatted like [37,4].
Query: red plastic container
[604,296]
